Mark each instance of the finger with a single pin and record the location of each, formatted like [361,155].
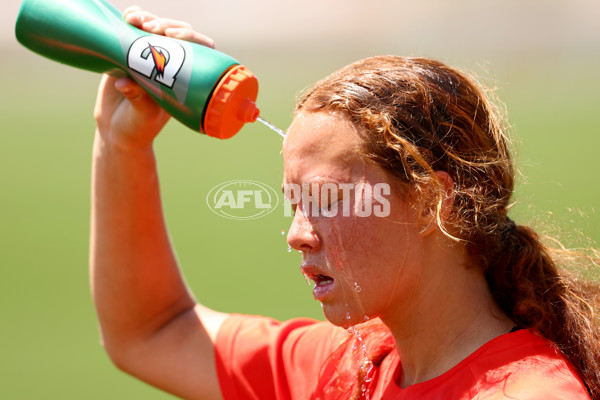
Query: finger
[159,25]
[128,88]
[126,85]
[131,9]
[138,17]
[190,35]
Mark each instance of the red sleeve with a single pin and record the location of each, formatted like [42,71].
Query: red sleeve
[260,358]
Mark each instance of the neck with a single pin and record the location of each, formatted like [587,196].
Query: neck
[452,314]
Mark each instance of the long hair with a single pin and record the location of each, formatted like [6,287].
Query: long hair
[422,116]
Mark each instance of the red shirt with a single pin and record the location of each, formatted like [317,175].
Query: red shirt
[260,358]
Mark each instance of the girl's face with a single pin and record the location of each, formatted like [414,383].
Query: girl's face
[360,239]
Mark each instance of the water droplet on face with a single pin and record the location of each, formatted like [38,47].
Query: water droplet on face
[289,248]
[348,315]
[366,318]
[357,288]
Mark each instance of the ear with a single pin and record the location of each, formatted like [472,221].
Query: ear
[438,203]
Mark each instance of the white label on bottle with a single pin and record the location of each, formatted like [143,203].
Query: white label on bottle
[156,56]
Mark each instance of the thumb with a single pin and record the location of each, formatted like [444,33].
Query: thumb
[140,100]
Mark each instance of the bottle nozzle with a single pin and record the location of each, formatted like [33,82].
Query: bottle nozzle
[248,111]
[232,104]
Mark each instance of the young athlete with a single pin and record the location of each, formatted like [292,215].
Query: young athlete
[447,298]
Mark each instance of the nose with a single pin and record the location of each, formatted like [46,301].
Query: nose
[302,235]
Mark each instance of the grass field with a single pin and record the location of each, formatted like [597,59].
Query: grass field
[49,344]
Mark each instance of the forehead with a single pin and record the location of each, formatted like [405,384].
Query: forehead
[319,142]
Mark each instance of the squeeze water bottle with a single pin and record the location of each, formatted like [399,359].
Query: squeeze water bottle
[206,90]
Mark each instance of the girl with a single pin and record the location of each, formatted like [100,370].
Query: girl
[445,296]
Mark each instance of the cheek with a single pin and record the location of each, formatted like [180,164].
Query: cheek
[361,248]
[373,260]
[381,252]
[365,244]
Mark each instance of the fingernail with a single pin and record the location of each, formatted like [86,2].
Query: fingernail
[149,25]
[174,32]
[123,87]
[132,19]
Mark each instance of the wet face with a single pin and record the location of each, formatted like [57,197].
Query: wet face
[363,256]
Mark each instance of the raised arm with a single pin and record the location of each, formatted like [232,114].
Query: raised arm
[151,325]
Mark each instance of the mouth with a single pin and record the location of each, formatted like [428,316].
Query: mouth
[323,283]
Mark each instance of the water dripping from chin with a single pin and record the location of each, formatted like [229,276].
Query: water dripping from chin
[366,365]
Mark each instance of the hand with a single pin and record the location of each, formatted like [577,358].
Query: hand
[125,114]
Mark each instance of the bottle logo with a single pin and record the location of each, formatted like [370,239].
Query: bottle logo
[158,57]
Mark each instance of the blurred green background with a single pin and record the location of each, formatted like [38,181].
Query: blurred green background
[543,57]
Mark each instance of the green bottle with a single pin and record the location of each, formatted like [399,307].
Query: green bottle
[206,90]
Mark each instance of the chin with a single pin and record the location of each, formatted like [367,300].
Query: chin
[339,316]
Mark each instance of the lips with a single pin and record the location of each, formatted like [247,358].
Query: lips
[323,283]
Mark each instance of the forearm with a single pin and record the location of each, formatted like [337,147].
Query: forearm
[136,283]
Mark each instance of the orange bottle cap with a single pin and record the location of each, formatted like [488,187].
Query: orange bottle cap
[232,103]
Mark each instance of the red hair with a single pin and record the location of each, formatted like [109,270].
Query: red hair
[420,116]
